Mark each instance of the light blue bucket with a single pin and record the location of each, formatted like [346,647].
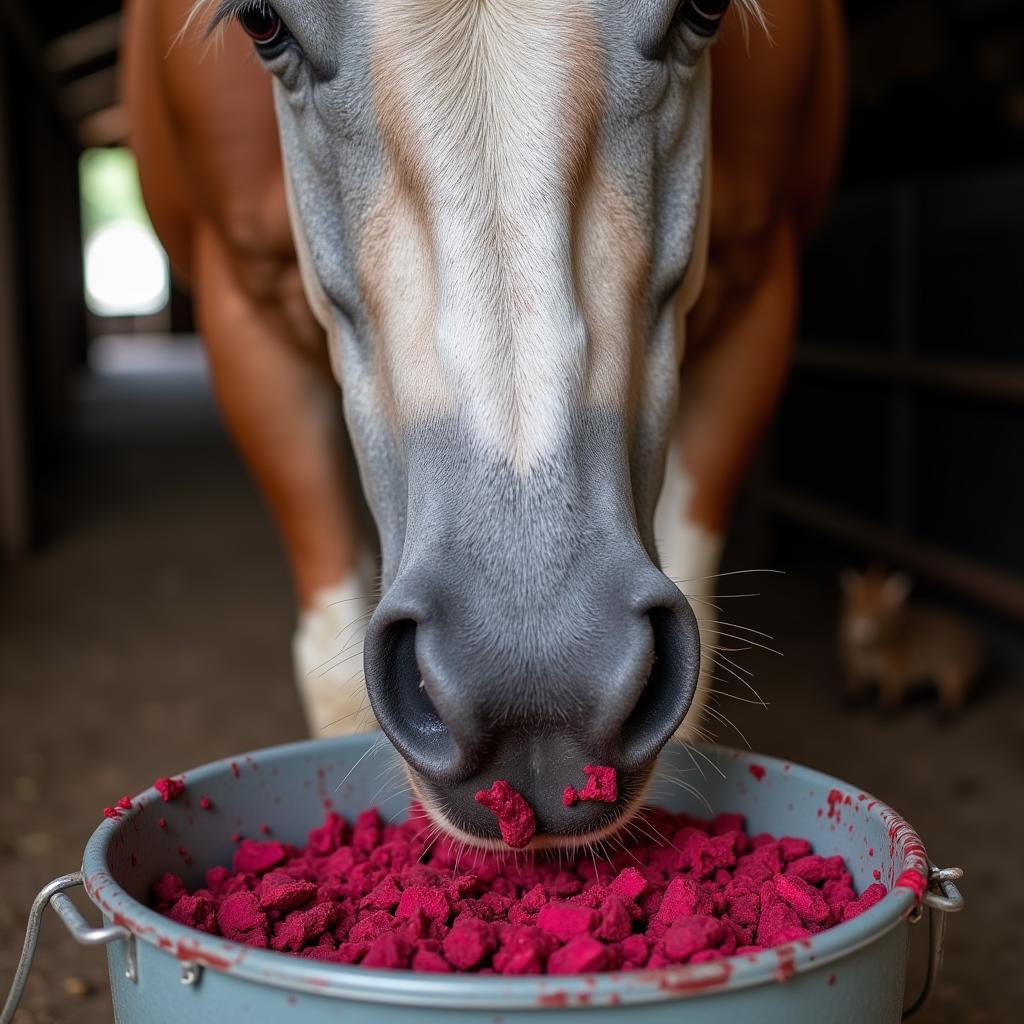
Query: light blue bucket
[164,973]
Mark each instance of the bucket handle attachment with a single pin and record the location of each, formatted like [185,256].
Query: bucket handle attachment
[942,897]
[53,894]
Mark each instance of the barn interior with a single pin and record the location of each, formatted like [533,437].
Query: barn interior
[145,608]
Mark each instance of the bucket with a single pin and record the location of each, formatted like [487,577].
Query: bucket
[164,973]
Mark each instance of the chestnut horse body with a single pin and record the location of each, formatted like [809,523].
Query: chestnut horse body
[553,281]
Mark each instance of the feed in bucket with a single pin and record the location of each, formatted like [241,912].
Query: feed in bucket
[682,890]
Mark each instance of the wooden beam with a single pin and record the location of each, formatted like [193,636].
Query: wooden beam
[14,486]
[91,42]
[988,380]
[92,93]
[107,127]
[973,579]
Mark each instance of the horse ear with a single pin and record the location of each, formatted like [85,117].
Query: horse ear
[897,589]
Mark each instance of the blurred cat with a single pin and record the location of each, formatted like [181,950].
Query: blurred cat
[883,641]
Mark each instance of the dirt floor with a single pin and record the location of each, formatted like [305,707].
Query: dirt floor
[151,633]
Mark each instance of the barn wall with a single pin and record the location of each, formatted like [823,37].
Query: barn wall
[901,433]
[42,319]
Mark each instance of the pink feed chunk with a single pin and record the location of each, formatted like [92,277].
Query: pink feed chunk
[868,898]
[602,784]
[239,917]
[169,789]
[563,920]
[279,891]
[252,855]
[468,943]
[802,897]
[390,896]
[516,820]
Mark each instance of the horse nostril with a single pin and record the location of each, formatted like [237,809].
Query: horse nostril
[402,704]
[463,711]
[669,689]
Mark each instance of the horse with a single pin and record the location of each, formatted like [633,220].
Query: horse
[497,301]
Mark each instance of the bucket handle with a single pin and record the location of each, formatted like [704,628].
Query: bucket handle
[942,897]
[53,893]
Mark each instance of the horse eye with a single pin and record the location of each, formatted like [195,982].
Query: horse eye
[262,24]
[703,16]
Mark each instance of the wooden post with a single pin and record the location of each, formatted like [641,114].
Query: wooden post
[14,488]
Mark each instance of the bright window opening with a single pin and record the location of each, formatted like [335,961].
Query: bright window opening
[126,268]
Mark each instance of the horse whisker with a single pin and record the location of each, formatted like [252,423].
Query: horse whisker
[369,750]
[728,722]
[747,640]
[736,625]
[736,696]
[735,572]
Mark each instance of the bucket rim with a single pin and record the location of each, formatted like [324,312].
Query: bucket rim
[496,992]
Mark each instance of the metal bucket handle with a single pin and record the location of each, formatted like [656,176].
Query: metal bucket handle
[941,898]
[54,894]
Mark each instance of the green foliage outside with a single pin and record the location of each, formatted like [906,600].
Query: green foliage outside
[110,189]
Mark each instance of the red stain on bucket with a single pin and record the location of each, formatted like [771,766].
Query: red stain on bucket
[715,978]
[914,881]
[786,966]
[835,801]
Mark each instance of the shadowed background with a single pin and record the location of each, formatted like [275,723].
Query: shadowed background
[145,609]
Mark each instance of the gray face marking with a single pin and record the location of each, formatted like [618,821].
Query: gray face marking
[538,590]
[495,204]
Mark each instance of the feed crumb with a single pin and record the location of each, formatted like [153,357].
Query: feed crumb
[516,820]
[602,785]
[169,789]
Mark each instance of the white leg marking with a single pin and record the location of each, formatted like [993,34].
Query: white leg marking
[328,654]
[690,554]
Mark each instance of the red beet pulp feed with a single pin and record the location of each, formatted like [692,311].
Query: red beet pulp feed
[388,896]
